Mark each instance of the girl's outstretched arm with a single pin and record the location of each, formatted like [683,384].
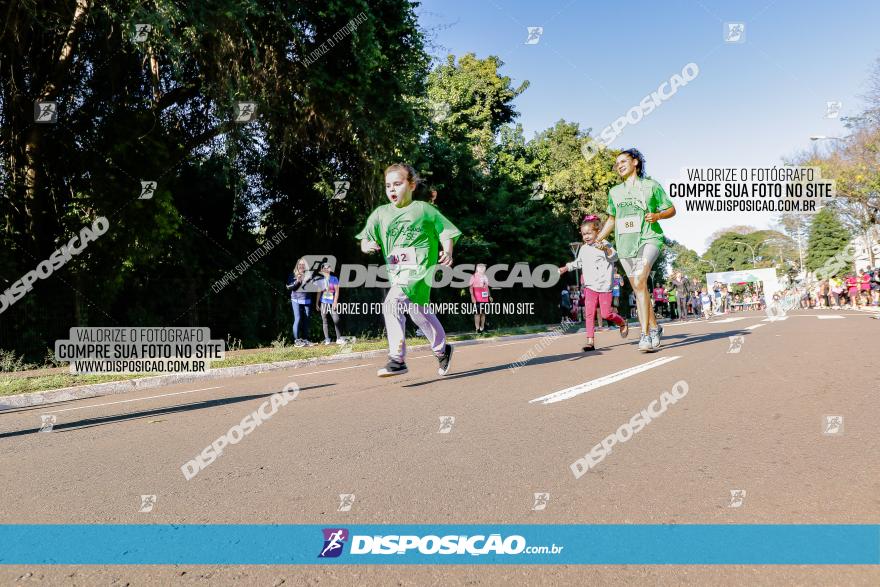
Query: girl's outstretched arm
[445,257]
[369,246]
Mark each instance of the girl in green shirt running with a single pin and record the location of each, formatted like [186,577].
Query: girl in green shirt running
[413,237]
[634,208]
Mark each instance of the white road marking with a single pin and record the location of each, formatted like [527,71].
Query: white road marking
[775,319]
[329,370]
[570,392]
[125,401]
[516,342]
[753,326]
[726,320]
[830,317]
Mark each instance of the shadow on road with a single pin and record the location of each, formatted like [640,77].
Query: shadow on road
[503,366]
[698,338]
[670,341]
[103,420]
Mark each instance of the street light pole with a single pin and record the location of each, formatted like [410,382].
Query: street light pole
[714,266]
[752,249]
[800,249]
[575,248]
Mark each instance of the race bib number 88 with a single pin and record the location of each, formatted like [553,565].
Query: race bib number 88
[629,224]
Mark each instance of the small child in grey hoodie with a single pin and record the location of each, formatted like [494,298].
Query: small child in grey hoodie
[596,260]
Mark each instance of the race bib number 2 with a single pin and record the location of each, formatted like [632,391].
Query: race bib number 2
[402,256]
[629,224]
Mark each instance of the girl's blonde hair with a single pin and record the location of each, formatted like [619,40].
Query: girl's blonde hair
[296,269]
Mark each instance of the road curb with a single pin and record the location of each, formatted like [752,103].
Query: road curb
[53,396]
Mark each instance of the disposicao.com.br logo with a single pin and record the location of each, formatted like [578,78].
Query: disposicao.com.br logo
[392,544]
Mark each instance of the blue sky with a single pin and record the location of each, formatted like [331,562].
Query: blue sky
[753,104]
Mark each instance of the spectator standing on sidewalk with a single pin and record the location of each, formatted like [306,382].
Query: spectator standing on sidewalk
[565,304]
[680,285]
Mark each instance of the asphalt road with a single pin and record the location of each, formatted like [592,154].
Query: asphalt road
[752,420]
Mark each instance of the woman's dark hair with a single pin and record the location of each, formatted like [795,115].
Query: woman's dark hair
[637,155]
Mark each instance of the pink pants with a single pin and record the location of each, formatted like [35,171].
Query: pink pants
[603,299]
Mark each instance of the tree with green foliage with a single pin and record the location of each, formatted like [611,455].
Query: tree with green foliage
[763,248]
[826,239]
[572,185]
[163,108]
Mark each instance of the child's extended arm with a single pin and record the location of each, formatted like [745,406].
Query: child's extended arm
[445,257]
[576,264]
[369,246]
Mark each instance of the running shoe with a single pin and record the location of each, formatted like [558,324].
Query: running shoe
[298,343]
[645,344]
[328,341]
[624,329]
[589,348]
[655,337]
[392,368]
[444,360]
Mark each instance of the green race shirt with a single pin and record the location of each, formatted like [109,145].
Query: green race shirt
[409,238]
[629,205]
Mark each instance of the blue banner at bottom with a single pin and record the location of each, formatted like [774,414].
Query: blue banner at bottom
[134,544]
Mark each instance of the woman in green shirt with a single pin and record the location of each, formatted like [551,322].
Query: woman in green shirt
[634,208]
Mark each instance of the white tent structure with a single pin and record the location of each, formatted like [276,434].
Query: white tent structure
[767,277]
